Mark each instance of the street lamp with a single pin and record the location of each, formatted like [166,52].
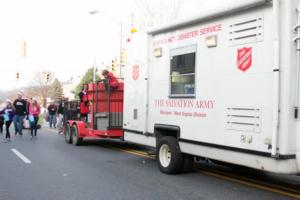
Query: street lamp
[120,24]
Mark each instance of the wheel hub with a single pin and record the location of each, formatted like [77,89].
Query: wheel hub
[165,155]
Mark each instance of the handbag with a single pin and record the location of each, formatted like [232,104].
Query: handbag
[31,118]
[6,117]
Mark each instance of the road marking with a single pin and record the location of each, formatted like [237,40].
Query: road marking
[134,152]
[224,177]
[255,185]
[21,156]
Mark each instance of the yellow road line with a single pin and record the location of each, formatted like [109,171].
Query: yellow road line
[133,152]
[270,185]
[224,177]
[297,196]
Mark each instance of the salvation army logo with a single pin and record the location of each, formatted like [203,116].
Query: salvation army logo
[244,58]
[135,72]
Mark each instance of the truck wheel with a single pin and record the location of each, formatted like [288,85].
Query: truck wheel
[170,160]
[68,134]
[76,140]
[188,162]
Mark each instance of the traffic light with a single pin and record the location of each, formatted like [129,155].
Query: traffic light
[123,57]
[17,75]
[47,77]
[114,64]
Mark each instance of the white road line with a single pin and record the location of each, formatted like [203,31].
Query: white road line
[21,156]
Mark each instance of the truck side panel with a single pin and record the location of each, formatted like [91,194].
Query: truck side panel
[230,106]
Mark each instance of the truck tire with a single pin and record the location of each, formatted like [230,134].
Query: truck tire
[169,158]
[68,134]
[188,162]
[76,140]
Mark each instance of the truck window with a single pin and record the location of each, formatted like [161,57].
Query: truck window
[182,74]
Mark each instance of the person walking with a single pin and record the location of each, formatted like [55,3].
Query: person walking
[1,120]
[61,115]
[8,118]
[20,106]
[52,110]
[34,112]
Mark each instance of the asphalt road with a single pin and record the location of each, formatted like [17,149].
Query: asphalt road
[98,170]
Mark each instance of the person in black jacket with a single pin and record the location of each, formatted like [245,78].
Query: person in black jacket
[20,106]
[52,111]
[1,119]
[61,114]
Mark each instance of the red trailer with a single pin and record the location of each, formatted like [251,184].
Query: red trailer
[104,119]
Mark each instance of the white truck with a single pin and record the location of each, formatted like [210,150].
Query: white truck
[223,85]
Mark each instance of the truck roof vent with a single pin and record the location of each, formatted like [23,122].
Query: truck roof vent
[244,119]
[246,31]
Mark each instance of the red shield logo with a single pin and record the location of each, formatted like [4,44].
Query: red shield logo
[244,58]
[135,72]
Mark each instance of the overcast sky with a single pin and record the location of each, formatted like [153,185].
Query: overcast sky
[62,36]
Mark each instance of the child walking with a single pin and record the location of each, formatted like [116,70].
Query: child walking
[8,118]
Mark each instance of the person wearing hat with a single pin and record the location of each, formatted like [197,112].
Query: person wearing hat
[20,106]
[110,81]
[8,118]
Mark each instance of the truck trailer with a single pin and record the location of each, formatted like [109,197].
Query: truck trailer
[104,119]
[222,85]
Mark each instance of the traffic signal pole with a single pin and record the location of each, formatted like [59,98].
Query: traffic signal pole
[121,46]
[94,71]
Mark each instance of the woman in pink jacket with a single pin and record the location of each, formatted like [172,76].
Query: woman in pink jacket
[34,112]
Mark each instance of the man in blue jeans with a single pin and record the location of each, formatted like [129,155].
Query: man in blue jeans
[52,110]
[20,112]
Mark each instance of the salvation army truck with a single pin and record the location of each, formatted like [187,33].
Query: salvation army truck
[222,85]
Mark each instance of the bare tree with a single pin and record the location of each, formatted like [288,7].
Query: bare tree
[40,86]
[56,91]
[12,94]
[156,13]
[2,96]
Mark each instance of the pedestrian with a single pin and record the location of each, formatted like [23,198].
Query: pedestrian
[1,120]
[110,81]
[20,106]
[34,112]
[52,110]
[61,115]
[8,118]
[84,103]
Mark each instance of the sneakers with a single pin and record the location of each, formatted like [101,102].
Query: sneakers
[60,131]
[6,140]
[32,136]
